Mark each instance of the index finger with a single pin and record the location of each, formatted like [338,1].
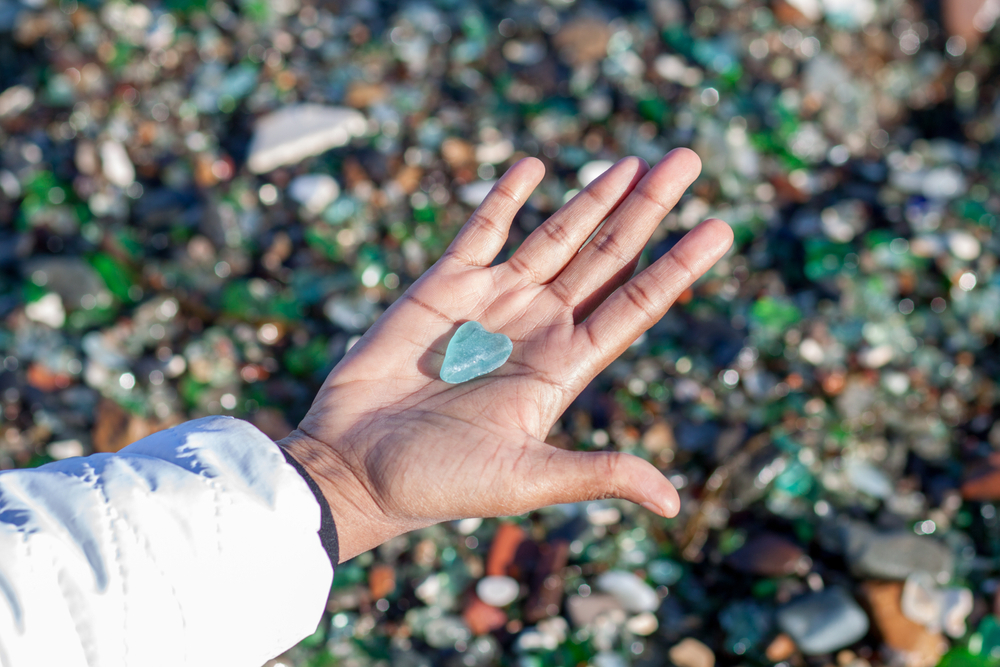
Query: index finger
[483,236]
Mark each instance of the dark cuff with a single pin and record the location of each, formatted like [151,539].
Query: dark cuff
[327,529]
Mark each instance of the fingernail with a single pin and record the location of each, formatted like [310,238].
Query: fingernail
[670,510]
[653,508]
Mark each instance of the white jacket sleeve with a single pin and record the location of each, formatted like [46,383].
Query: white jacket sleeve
[195,546]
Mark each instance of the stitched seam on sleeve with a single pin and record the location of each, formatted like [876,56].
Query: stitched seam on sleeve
[4,658]
[147,547]
[118,564]
[142,539]
[84,648]
[217,500]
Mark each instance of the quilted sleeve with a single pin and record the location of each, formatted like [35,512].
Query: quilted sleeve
[198,545]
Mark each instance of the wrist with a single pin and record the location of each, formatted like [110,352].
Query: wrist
[361,522]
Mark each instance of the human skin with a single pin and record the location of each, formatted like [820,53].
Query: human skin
[394,448]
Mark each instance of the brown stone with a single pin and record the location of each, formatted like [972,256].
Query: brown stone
[583,41]
[982,483]
[692,653]
[115,427]
[658,438]
[147,132]
[507,539]
[788,192]
[86,158]
[781,648]
[381,581]
[41,377]
[787,14]
[768,555]
[361,94]
[203,174]
[425,553]
[547,588]
[913,644]
[31,27]
[846,657]
[408,178]
[458,152]
[958,17]
[354,174]
[526,559]
[482,618]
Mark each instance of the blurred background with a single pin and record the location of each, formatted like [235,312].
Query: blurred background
[203,204]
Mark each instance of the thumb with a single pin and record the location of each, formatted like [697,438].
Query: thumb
[564,476]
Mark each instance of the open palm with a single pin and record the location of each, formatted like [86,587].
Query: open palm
[395,448]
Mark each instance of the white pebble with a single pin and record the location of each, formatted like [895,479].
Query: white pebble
[956,607]
[896,383]
[293,133]
[494,152]
[811,351]
[468,526]
[924,602]
[592,170]
[634,594]
[964,245]
[531,639]
[876,357]
[15,99]
[474,193]
[64,449]
[601,513]
[608,659]
[116,164]
[643,624]
[944,183]
[314,191]
[497,591]
[47,310]
[928,245]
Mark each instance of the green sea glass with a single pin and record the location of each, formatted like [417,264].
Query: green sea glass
[474,351]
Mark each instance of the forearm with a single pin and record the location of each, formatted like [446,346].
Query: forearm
[197,545]
[362,523]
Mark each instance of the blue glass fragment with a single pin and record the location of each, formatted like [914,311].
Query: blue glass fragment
[474,351]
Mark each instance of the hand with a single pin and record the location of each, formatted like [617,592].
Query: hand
[394,448]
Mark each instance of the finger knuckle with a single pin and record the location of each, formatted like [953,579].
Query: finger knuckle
[606,466]
[596,197]
[609,245]
[654,200]
[640,298]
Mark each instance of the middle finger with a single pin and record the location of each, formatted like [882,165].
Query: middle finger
[600,265]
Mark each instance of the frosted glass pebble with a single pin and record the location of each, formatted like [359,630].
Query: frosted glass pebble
[472,352]
[497,591]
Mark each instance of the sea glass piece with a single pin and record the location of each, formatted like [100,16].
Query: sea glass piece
[474,351]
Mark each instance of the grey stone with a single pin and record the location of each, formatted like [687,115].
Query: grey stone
[824,621]
[895,555]
[69,277]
